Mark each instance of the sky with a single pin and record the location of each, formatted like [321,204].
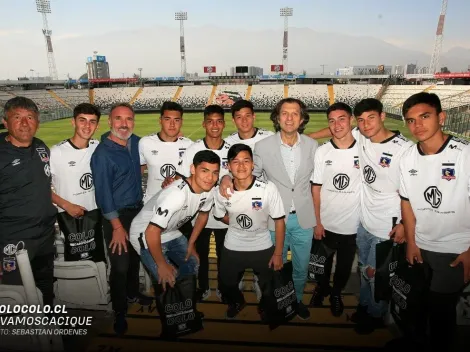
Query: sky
[409,24]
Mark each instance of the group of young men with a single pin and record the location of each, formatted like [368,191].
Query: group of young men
[260,193]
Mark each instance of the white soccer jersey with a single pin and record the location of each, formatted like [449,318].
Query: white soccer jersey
[437,187]
[71,173]
[337,171]
[248,213]
[260,134]
[184,169]
[161,159]
[380,175]
[170,209]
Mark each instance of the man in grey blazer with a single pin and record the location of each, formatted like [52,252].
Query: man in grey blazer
[286,159]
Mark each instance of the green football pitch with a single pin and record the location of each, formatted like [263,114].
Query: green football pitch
[55,131]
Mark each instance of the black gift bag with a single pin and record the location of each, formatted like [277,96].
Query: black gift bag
[388,256]
[279,304]
[410,287]
[319,254]
[83,236]
[177,308]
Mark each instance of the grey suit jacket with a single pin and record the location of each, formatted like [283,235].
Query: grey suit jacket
[268,161]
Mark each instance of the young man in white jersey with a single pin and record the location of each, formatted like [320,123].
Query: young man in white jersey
[160,152]
[155,233]
[248,241]
[336,196]
[244,117]
[74,191]
[214,124]
[380,151]
[435,205]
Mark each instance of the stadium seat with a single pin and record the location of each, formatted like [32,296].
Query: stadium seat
[81,285]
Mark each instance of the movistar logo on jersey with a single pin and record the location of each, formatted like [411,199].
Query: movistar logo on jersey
[161,212]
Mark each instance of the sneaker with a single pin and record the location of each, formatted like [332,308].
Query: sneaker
[219,295]
[337,306]
[303,312]
[234,309]
[256,288]
[360,314]
[120,323]
[317,298]
[202,294]
[368,325]
[141,299]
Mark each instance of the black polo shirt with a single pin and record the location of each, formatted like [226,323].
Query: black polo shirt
[26,209]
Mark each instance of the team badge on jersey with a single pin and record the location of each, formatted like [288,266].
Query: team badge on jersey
[448,173]
[43,155]
[224,163]
[256,204]
[181,151]
[9,264]
[356,162]
[385,160]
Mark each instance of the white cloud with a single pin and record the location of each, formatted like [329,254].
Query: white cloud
[67,36]
[7,32]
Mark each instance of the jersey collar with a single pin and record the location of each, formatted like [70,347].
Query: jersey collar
[336,147]
[74,146]
[253,136]
[160,138]
[190,188]
[443,146]
[207,147]
[395,133]
[249,187]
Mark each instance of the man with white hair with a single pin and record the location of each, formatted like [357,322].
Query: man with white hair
[115,166]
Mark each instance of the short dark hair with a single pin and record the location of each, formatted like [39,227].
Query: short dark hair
[121,105]
[87,109]
[240,104]
[303,113]
[236,149]
[206,156]
[20,103]
[339,106]
[171,106]
[430,99]
[368,104]
[213,109]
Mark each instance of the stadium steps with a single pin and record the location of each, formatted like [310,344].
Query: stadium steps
[248,92]
[331,94]
[286,90]
[178,93]
[136,95]
[456,95]
[211,97]
[59,99]
[91,96]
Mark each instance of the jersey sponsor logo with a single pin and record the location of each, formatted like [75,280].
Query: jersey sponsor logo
[244,221]
[452,146]
[433,196]
[227,203]
[11,249]
[413,172]
[369,174]
[181,185]
[86,181]
[356,162]
[154,152]
[341,181]
[181,151]
[183,221]
[9,264]
[167,170]
[448,172]
[161,212]
[47,170]
[72,163]
[385,160]
[43,154]
[328,162]
[256,204]
[16,162]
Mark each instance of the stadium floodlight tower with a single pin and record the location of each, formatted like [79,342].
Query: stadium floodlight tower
[182,16]
[44,7]
[436,54]
[286,12]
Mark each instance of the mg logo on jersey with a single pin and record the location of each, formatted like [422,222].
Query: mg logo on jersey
[86,181]
[244,221]
[167,170]
[369,174]
[341,181]
[433,196]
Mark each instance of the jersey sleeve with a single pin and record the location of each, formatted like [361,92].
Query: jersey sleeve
[184,163]
[403,191]
[167,205]
[209,201]
[219,207]
[276,207]
[141,152]
[318,165]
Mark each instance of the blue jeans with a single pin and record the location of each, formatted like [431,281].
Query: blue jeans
[174,250]
[366,243]
[299,241]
